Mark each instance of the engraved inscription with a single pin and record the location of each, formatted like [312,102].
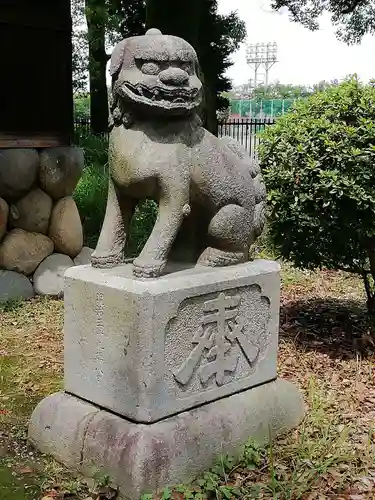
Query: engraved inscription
[99,309]
[221,327]
[100,332]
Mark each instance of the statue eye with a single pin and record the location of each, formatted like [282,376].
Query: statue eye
[150,68]
[187,67]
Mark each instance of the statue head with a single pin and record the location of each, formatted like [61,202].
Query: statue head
[155,74]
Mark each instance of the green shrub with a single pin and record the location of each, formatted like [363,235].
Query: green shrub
[95,148]
[141,226]
[91,191]
[319,166]
[82,107]
[91,198]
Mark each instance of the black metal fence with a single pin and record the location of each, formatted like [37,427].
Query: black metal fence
[82,127]
[245,131]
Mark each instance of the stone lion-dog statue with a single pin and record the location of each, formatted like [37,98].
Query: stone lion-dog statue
[210,192]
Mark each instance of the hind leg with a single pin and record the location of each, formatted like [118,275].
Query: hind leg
[190,240]
[229,235]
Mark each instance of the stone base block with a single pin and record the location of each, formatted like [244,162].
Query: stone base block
[150,349]
[142,458]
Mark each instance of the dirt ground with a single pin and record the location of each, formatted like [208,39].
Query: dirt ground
[327,347]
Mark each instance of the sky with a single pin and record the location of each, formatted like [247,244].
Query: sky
[304,57]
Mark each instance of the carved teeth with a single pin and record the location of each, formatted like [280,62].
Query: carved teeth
[140,90]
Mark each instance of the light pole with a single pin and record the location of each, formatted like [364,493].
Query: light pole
[261,55]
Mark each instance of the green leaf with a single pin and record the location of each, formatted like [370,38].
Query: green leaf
[166,494]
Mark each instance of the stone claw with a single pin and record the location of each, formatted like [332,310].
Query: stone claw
[148,269]
[106,261]
[213,257]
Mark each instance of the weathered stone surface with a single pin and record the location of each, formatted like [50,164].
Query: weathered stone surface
[32,212]
[59,422]
[214,211]
[48,278]
[149,349]
[183,367]
[22,252]
[18,172]
[60,170]
[14,286]
[144,458]
[84,257]
[66,228]
[4,212]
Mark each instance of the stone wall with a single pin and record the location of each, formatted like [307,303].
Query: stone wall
[40,228]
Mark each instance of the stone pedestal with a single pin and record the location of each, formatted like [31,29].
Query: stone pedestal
[162,376]
[141,458]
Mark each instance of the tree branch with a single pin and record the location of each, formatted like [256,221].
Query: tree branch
[352,7]
[367,288]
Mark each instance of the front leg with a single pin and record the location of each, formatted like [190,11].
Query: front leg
[173,207]
[109,251]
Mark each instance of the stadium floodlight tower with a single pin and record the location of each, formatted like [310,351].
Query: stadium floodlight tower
[261,55]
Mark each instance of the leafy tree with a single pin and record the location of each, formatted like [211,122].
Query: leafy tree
[181,20]
[219,37]
[82,106]
[125,18]
[80,60]
[353,18]
[98,25]
[278,90]
[324,85]
[96,17]
[318,164]
[215,38]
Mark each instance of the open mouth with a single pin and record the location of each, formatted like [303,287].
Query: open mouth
[173,98]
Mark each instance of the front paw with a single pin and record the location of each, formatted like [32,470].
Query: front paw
[148,268]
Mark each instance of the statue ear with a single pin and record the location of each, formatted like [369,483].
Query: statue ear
[117,58]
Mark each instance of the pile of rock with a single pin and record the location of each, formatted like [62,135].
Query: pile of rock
[40,227]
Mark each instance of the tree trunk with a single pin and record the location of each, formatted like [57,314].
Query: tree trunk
[95,16]
[369,278]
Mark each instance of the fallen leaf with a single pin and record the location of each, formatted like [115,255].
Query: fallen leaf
[50,494]
[26,470]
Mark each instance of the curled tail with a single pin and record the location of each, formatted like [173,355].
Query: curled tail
[259,186]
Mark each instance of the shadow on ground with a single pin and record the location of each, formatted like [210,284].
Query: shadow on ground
[337,327]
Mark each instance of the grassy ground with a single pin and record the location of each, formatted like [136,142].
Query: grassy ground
[327,348]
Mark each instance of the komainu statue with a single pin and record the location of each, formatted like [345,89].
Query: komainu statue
[210,193]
